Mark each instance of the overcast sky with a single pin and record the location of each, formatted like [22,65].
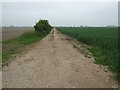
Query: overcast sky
[60,13]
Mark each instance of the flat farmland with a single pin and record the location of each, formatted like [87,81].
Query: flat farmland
[13,32]
[55,62]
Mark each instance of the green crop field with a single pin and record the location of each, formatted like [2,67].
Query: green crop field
[103,42]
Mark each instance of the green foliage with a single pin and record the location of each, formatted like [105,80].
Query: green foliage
[104,42]
[43,26]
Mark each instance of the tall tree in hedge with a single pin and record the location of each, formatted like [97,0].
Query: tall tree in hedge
[43,26]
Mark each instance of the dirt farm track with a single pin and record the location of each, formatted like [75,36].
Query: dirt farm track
[54,63]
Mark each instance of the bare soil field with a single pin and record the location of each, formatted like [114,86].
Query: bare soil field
[54,62]
[13,32]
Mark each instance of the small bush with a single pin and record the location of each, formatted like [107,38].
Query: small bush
[43,26]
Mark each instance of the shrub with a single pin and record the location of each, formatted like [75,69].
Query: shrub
[43,26]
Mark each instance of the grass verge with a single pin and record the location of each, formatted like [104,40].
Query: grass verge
[13,46]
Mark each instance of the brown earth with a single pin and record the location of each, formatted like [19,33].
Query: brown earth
[13,32]
[55,62]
